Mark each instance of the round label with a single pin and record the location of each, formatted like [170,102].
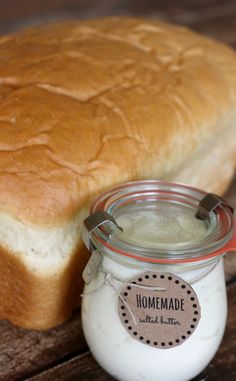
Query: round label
[159,309]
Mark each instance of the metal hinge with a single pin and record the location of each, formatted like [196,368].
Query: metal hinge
[209,203]
[94,221]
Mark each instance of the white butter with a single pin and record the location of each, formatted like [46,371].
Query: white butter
[127,359]
[162,224]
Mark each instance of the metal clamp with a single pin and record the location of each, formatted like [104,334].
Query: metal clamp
[209,203]
[94,221]
[89,225]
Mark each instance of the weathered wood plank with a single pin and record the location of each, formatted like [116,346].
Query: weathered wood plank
[221,27]
[24,352]
[211,17]
[30,8]
[79,368]
[12,10]
[84,367]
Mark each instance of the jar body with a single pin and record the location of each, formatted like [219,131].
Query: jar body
[127,359]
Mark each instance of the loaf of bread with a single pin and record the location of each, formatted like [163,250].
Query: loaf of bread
[87,105]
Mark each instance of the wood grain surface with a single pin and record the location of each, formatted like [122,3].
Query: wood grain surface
[24,352]
[84,367]
[215,18]
[61,354]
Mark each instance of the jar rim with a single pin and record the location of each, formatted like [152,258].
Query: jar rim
[220,223]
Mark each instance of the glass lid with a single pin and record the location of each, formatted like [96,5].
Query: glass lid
[158,223]
[161,224]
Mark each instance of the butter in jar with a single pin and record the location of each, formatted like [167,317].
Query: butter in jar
[154,304]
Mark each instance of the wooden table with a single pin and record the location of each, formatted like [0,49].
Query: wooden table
[61,353]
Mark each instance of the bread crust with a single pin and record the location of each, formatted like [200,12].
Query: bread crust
[35,301]
[96,103]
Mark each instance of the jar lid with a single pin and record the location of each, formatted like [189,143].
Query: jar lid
[156,221]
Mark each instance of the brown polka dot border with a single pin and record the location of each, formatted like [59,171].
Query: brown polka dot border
[159,318]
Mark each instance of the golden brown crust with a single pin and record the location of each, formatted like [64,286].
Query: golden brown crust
[32,301]
[86,105]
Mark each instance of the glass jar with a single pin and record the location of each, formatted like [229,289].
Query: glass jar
[144,232]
